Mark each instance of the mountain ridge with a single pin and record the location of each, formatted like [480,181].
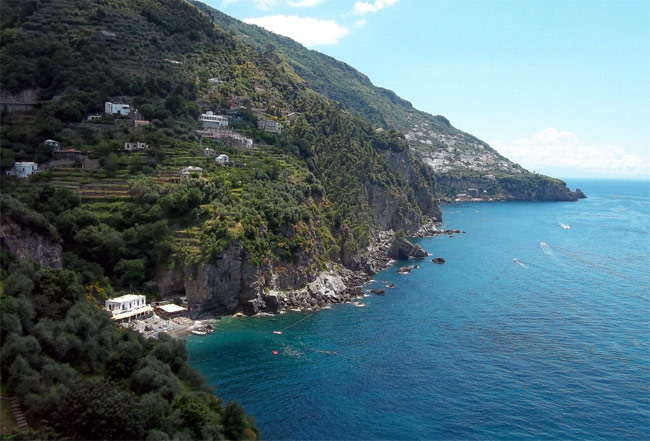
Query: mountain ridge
[450,152]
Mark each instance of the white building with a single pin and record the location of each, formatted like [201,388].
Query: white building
[269,125]
[134,146]
[22,169]
[187,172]
[128,306]
[170,311]
[52,143]
[222,159]
[208,152]
[116,108]
[209,119]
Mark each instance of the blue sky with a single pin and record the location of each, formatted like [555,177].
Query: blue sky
[561,87]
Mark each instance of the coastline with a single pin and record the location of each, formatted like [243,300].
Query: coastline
[335,285]
[339,284]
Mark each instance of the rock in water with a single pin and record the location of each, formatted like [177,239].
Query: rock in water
[438,260]
[418,252]
[404,270]
[400,249]
[403,249]
[379,292]
[580,194]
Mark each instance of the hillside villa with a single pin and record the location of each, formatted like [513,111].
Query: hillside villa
[222,159]
[129,306]
[135,146]
[269,125]
[116,108]
[187,172]
[209,119]
[22,169]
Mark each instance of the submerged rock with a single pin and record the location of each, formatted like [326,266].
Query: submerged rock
[379,292]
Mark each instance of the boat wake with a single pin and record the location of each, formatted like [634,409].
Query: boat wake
[523,265]
[546,248]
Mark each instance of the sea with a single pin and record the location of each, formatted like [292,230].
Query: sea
[537,327]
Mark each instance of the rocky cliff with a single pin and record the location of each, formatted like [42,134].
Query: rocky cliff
[232,284]
[25,244]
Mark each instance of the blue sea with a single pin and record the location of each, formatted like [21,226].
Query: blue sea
[554,345]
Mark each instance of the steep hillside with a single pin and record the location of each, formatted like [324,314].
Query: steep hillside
[287,205]
[274,225]
[461,160]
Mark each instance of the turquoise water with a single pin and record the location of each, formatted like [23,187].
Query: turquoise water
[554,347]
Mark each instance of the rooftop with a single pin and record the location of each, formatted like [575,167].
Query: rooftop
[171,308]
[126,298]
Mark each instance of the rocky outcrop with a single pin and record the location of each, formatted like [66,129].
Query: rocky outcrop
[25,244]
[524,187]
[329,287]
[403,249]
[579,194]
[231,284]
[220,287]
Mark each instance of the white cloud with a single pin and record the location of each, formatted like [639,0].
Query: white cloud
[552,148]
[360,22]
[361,8]
[266,4]
[304,3]
[305,30]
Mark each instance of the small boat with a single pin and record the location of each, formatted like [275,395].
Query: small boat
[277,332]
[200,331]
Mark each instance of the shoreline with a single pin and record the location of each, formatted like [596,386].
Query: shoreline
[334,286]
[339,284]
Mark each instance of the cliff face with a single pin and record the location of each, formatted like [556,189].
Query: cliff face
[24,244]
[231,282]
[420,179]
[390,212]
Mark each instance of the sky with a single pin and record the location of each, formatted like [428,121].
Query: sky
[561,87]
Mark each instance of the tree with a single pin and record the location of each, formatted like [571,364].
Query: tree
[101,244]
[131,271]
[97,410]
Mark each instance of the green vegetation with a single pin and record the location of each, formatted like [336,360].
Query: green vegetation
[295,195]
[296,198]
[79,376]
